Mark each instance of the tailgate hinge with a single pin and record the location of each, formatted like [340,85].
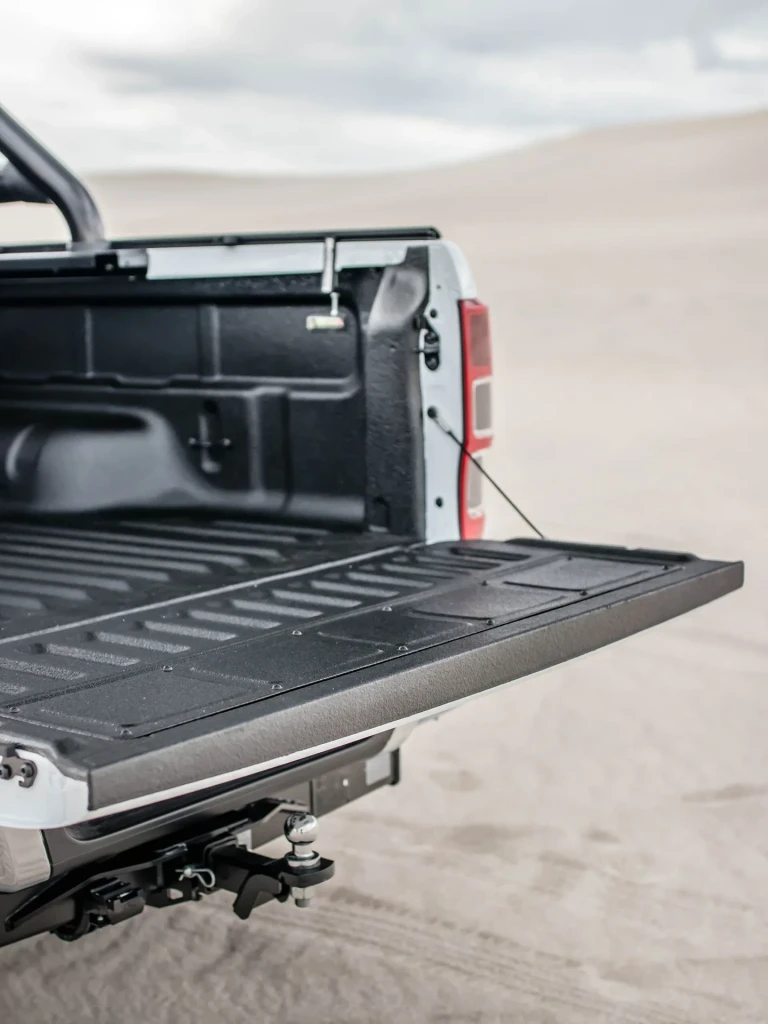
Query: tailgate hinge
[14,766]
[429,341]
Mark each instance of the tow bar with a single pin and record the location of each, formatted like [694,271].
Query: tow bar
[188,871]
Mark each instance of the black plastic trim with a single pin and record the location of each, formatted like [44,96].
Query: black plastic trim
[69,847]
[415,234]
[395,458]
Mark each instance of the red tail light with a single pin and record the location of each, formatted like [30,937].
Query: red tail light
[478,427]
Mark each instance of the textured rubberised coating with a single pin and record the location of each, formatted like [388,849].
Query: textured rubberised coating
[237,673]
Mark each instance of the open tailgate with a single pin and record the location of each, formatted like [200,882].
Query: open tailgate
[262,673]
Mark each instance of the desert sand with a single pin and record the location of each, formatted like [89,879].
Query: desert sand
[590,846]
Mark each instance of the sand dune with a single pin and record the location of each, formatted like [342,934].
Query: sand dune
[591,846]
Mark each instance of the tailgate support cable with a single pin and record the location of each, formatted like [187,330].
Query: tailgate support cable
[435,415]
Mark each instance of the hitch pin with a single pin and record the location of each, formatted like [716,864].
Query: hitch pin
[204,876]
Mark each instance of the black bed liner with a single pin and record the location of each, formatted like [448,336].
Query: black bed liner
[54,573]
[141,691]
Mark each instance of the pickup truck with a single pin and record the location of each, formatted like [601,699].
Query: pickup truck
[242,554]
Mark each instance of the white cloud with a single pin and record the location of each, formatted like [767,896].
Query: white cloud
[300,86]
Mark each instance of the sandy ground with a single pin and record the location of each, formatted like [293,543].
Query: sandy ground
[592,845]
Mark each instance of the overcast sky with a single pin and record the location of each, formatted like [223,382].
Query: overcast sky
[309,85]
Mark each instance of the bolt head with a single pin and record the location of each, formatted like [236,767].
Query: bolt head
[301,827]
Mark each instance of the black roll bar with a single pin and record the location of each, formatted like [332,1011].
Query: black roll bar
[49,179]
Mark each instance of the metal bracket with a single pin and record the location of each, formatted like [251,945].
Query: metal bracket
[13,766]
[429,342]
[333,320]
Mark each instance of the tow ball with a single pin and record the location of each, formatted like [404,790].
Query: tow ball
[257,879]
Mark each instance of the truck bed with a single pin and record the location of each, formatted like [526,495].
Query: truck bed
[58,572]
[149,657]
